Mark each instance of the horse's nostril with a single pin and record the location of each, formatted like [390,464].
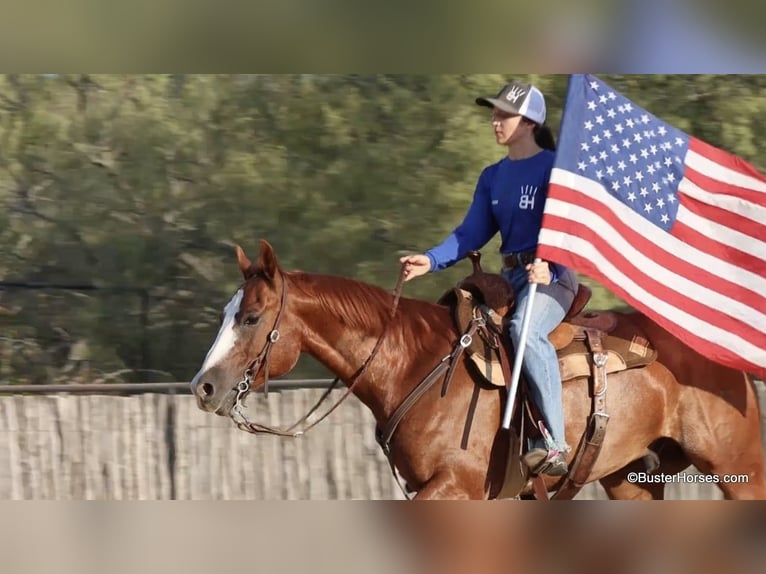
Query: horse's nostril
[206,389]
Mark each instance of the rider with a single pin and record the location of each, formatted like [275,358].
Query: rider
[510,197]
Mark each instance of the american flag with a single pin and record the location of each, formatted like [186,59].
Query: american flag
[674,226]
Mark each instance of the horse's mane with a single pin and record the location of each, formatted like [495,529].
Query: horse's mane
[360,304]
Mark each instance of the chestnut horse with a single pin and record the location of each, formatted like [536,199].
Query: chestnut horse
[690,410]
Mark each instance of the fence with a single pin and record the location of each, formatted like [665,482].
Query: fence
[148,442]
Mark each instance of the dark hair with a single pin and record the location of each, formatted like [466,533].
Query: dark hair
[544,137]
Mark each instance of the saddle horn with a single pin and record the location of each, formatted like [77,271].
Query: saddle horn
[475,257]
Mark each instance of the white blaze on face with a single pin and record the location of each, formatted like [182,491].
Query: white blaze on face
[224,341]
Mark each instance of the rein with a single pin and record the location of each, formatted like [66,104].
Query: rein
[261,362]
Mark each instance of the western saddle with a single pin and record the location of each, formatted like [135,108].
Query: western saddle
[586,345]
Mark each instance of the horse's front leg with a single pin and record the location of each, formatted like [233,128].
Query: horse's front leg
[452,485]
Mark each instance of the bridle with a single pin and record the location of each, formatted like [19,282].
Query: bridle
[261,363]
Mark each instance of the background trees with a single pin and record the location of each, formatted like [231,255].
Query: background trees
[135,189]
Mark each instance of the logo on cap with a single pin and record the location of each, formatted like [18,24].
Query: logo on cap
[515,93]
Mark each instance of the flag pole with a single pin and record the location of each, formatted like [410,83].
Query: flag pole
[519,355]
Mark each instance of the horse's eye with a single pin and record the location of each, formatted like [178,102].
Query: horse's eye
[251,319]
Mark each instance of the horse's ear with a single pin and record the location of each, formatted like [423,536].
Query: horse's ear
[267,260]
[245,265]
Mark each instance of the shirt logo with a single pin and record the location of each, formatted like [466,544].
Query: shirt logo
[527,199]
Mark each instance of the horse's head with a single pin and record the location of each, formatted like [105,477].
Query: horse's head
[256,339]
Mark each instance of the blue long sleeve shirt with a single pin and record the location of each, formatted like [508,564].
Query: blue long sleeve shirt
[509,197]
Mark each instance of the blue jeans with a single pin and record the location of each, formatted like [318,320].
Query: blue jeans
[540,365]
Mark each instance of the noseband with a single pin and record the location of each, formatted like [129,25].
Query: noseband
[261,362]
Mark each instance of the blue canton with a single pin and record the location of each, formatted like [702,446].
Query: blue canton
[637,157]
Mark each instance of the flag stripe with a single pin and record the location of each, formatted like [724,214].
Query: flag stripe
[724,243]
[716,344]
[686,278]
[726,205]
[718,310]
[725,168]
[566,183]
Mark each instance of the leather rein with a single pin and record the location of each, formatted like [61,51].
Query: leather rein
[261,363]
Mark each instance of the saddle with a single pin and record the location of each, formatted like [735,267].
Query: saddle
[585,342]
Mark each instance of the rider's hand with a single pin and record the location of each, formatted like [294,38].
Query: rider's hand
[539,272]
[415,265]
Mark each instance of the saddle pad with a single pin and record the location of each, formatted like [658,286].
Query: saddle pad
[575,360]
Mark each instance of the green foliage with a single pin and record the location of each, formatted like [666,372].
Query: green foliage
[143,184]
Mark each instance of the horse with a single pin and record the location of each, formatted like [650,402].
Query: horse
[682,406]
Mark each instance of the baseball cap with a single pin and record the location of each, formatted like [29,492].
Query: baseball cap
[523,99]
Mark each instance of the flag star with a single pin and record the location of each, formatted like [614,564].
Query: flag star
[644,119]
[648,207]
[607,134]
[599,174]
[653,149]
[661,130]
[599,120]
[660,203]
[665,218]
[650,169]
[626,143]
[611,96]
[596,139]
[639,176]
[609,170]
[581,166]
[628,107]
[589,125]
[644,153]
[665,180]
[644,192]
[626,180]
[615,148]
[591,105]
[671,177]
[611,113]
[621,109]
[637,137]
[677,159]
[633,159]
[679,142]
[602,99]
[671,198]
[648,134]
[603,155]
[621,165]
[615,185]
[618,128]
[629,123]
[584,146]
[657,164]
[668,162]
[632,196]
[594,85]
[656,187]
[593,160]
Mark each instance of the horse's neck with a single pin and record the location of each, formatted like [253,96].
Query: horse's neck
[344,345]
[344,349]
